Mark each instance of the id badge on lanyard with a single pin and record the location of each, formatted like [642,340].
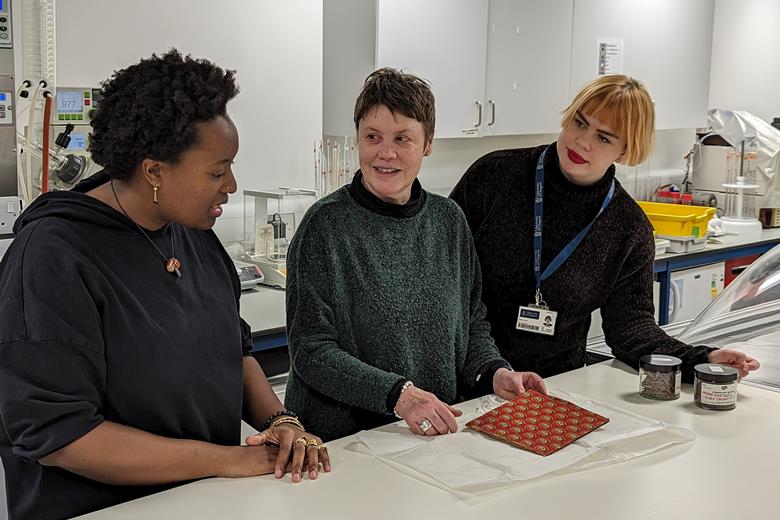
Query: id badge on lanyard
[537,317]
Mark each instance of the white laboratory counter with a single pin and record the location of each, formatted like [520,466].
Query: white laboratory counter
[263,308]
[729,471]
[726,242]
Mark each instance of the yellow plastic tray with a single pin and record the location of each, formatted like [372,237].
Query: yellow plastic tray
[677,219]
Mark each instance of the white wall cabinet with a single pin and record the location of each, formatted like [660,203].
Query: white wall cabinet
[528,55]
[496,68]
[508,67]
[347,58]
[667,46]
[444,42]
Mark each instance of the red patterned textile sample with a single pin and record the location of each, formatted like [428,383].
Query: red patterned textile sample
[539,423]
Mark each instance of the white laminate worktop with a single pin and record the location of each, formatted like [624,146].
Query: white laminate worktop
[263,308]
[726,242]
[728,472]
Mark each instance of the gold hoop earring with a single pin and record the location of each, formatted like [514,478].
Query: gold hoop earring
[154,193]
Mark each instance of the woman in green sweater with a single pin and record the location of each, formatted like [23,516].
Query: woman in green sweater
[384,316]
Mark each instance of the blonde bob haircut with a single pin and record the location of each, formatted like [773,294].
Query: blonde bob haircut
[624,105]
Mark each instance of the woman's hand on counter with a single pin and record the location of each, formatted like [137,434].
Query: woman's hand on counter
[508,384]
[298,450]
[425,413]
[247,461]
[734,358]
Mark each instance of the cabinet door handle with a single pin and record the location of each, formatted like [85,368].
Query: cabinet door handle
[479,114]
[492,112]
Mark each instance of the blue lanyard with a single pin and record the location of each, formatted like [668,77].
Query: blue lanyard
[567,251]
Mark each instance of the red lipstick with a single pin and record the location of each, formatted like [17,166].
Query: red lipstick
[575,157]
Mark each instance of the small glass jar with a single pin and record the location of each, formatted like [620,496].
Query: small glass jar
[715,386]
[659,377]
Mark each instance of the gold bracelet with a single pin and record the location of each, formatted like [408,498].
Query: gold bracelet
[284,419]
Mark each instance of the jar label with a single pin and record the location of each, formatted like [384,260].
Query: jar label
[718,394]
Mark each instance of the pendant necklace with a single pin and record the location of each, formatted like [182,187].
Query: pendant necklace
[172,264]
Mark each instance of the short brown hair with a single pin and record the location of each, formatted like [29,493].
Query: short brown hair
[623,104]
[401,93]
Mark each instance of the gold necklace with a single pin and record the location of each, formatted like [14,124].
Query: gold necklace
[172,264]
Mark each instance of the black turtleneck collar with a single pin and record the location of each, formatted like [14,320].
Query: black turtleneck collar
[557,182]
[373,203]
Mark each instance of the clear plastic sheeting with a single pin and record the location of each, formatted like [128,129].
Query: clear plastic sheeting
[472,466]
[746,317]
[737,126]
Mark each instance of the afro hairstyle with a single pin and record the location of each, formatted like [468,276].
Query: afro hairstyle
[151,110]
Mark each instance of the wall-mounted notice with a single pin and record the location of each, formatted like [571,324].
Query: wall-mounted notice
[610,56]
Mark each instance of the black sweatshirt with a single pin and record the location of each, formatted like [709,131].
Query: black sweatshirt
[612,269]
[93,328]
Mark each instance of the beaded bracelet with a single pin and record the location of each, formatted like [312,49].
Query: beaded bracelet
[280,413]
[404,387]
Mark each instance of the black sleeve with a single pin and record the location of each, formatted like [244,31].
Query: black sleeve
[52,364]
[471,194]
[394,394]
[246,338]
[50,395]
[485,381]
[246,331]
[628,316]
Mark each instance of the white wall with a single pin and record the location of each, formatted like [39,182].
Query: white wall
[275,46]
[745,55]
[452,157]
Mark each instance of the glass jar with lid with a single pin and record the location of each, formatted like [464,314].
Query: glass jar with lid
[660,377]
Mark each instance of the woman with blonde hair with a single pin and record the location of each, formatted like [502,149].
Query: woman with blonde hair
[558,237]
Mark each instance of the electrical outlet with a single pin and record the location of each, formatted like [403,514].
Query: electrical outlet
[10,208]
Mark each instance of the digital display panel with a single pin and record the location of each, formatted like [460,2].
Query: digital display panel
[2,94]
[69,101]
[77,141]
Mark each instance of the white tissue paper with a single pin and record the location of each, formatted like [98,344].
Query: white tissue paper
[470,465]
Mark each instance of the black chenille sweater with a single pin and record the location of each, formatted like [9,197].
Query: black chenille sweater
[611,270]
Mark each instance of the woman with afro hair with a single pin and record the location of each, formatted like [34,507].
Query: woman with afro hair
[124,363]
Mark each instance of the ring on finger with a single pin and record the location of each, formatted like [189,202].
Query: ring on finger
[425,425]
[301,441]
[312,443]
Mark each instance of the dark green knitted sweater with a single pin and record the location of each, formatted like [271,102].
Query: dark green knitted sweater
[372,300]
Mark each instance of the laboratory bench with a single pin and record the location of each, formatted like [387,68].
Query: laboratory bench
[264,307]
[729,471]
[730,247]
